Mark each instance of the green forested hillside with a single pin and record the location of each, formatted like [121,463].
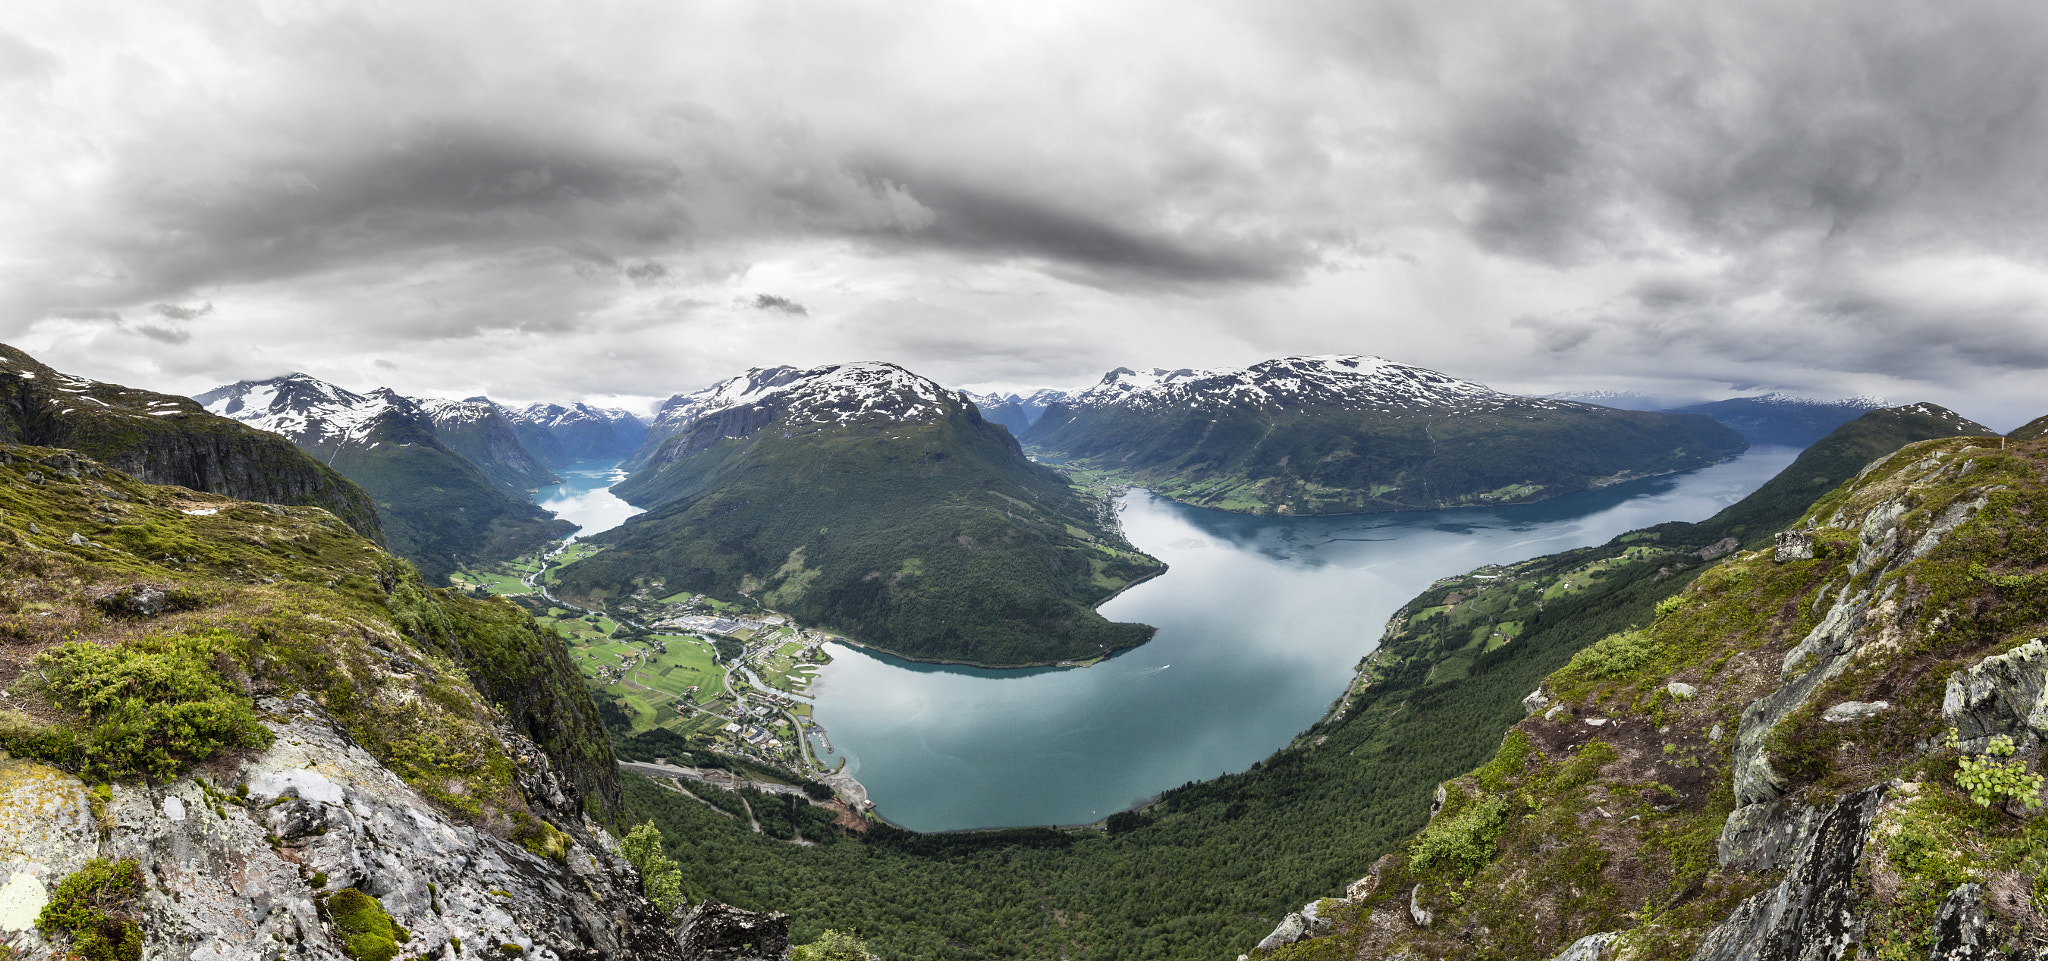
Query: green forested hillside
[1333,459]
[439,510]
[1213,866]
[935,538]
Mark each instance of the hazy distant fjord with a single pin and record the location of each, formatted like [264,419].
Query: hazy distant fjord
[585,498]
[1261,622]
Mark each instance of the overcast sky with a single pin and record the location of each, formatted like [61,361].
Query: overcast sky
[624,200]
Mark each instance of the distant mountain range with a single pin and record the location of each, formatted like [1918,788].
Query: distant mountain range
[867,499]
[441,510]
[1337,434]
[560,435]
[1784,420]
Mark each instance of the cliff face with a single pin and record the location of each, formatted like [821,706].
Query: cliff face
[243,863]
[167,439]
[1824,749]
[237,730]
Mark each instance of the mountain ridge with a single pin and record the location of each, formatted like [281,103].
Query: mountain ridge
[869,500]
[1334,434]
[441,510]
[168,439]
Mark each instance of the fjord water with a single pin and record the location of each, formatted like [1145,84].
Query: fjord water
[584,497]
[1261,622]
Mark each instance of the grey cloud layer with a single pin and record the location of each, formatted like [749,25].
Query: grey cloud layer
[1845,187]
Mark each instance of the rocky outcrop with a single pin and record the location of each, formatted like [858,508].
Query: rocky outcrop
[1962,931]
[2004,694]
[238,866]
[1812,914]
[1592,947]
[714,931]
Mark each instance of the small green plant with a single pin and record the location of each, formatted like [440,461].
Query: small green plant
[833,946]
[365,930]
[660,877]
[1615,655]
[92,906]
[152,707]
[1464,842]
[1998,778]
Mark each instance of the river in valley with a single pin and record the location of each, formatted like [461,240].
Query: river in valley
[1261,623]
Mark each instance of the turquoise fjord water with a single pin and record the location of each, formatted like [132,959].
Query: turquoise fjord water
[1261,623]
[584,497]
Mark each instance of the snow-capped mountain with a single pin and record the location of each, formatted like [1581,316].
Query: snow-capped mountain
[560,435]
[1019,411]
[1618,399]
[442,507]
[833,394]
[1346,381]
[1344,433]
[1782,419]
[318,416]
[478,429]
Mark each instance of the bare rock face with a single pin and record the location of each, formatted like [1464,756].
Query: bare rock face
[1962,931]
[1794,545]
[2006,694]
[1592,947]
[237,869]
[1813,914]
[714,931]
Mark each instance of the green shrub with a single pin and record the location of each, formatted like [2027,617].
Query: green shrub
[150,708]
[661,877]
[1464,842]
[1991,781]
[366,931]
[1615,655]
[92,906]
[833,946]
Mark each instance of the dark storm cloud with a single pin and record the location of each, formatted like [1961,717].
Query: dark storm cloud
[1888,122]
[778,304]
[168,335]
[178,312]
[1106,249]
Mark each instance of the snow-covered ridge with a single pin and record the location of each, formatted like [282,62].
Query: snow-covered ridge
[450,413]
[554,416]
[834,394]
[1341,380]
[304,408]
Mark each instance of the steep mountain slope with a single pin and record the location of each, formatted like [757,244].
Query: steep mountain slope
[1213,866]
[1782,420]
[233,730]
[865,498]
[166,439]
[1827,748]
[1348,434]
[1005,410]
[440,511]
[565,435]
[480,432]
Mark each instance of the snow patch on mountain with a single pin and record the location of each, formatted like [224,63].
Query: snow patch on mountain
[834,394]
[1352,381]
[304,408]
